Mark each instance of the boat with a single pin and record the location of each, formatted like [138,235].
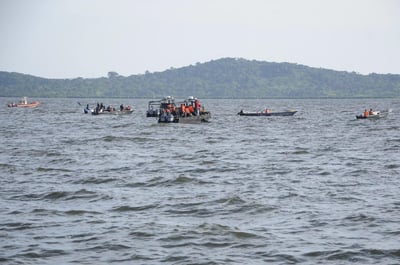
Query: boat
[23,103]
[109,110]
[189,111]
[113,112]
[371,115]
[87,110]
[267,113]
[153,108]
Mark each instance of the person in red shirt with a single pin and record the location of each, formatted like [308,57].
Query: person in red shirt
[197,107]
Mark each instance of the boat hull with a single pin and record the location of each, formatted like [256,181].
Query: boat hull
[86,110]
[374,115]
[204,117]
[368,117]
[252,114]
[33,104]
[115,112]
[152,114]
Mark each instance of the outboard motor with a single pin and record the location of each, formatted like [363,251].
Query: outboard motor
[170,117]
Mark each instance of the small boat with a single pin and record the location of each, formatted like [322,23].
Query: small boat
[283,113]
[88,110]
[23,103]
[153,108]
[189,111]
[113,112]
[371,115]
[110,110]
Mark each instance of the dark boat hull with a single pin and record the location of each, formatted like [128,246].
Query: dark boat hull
[204,117]
[152,114]
[114,112]
[373,115]
[368,117]
[283,113]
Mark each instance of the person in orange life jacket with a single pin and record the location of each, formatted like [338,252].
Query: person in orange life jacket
[183,110]
[366,113]
[191,110]
[187,111]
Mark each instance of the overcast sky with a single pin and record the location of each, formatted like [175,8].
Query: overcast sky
[88,38]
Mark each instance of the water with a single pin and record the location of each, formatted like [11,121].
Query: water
[317,188]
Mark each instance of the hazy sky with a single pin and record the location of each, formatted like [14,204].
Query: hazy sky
[88,38]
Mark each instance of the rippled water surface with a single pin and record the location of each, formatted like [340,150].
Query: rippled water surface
[317,188]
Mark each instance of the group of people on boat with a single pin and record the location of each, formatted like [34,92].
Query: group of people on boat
[100,107]
[173,112]
[190,107]
[367,113]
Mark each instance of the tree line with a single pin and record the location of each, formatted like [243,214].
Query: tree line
[222,78]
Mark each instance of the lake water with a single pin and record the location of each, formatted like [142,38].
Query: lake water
[319,187]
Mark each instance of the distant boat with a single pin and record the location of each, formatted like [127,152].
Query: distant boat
[282,113]
[113,112]
[101,110]
[371,115]
[87,110]
[23,103]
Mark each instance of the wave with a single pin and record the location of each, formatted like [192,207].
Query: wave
[95,180]
[105,247]
[213,236]
[58,195]
[359,218]
[198,212]
[355,256]
[127,208]
[392,166]
[48,169]
[181,179]
[80,194]
[50,212]
[40,254]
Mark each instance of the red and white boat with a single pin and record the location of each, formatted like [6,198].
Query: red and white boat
[23,103]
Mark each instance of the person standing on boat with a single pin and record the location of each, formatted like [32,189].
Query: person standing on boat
[196,107]
[183,110]
[121,107]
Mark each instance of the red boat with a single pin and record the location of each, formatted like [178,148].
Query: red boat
[23,103]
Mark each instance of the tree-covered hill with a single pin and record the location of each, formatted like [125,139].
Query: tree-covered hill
[222,78]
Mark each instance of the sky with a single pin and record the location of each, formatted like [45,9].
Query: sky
[89,38]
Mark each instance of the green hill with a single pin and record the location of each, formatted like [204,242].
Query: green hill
[222,78]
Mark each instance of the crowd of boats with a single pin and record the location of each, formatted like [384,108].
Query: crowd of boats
[167,110]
